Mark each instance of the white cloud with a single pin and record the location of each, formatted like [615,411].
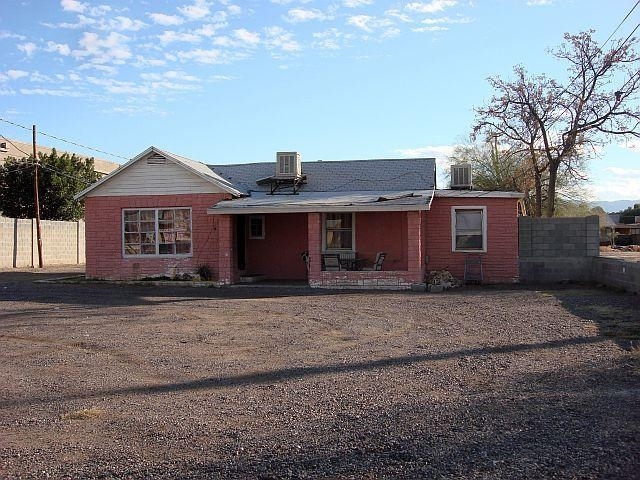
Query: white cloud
[60,48]
[166,20]
[331,39]
[61,92]
[198,10]
[16,74]
[28,48]
[433,6]
[169,75]
[356,3]
[110,49]
[125,24]
[247,37]
[119,87]
[369,23]
[280,39]
[539,3]
[234,9]
[4,35]
[446,20]
[210,29]
[171,36]
[434,28]
[624,172]
[73,6]
[437,151]
[299,15]
[211,56]
[106,69]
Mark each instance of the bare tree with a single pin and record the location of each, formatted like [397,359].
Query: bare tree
[557,127]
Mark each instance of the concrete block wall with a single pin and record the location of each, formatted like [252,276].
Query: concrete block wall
[62,242]
[557,249]
[617,273]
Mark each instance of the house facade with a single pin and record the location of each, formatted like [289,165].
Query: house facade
[346,224]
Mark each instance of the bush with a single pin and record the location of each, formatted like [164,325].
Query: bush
[204,271]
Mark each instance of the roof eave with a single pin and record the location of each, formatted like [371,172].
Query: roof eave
[255,210]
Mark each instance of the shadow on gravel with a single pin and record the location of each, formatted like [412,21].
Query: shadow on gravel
[586,428]
[287,374]
[616,314]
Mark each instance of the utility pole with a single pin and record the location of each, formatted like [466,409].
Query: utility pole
[36,198]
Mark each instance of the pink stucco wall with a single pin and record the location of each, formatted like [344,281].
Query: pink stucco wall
[382,232]
[408,238]
[277,255]
[104,236]
[500,262]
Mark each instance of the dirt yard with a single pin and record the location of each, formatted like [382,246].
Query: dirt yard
[119,381]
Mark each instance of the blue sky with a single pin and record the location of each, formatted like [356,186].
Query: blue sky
[224,81]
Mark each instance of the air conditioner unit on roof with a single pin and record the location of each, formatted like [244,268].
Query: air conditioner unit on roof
[461,177]
[288,165]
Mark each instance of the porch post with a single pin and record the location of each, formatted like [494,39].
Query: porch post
[225,249]
[414,247]
[314,245]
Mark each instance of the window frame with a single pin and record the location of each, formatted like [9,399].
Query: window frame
[156,234]
[353,233]
[263,227]
[483,210]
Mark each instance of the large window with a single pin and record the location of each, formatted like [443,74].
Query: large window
[157,231]
[338,231]
[469,229]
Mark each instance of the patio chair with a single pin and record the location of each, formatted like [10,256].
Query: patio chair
[377,265]
[473,272]
[331,262]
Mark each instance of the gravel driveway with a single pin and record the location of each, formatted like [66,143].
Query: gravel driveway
[120,381]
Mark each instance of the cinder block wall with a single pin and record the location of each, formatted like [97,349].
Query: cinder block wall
[557,249]
[617,273]
[62,242]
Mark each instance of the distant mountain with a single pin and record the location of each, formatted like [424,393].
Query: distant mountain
[614,205]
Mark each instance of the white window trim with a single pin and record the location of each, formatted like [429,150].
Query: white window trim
[157,236]
[255,237]
[353,234]
[484,229]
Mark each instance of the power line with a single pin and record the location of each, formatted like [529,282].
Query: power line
[620,24]
[67,141]
[15,146]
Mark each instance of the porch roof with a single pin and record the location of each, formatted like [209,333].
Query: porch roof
[306,202]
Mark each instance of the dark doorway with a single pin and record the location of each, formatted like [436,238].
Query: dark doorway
[241,241]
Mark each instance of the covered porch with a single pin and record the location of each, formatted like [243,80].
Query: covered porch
[274,243]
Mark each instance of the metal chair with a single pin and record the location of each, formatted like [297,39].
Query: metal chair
[473,272]
[377,265]
[331,262]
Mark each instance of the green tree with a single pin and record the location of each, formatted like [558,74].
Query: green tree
[557,126]
[629,214]
[60,177]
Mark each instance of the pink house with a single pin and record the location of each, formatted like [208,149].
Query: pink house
[322,222]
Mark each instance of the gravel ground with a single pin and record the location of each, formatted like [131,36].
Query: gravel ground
[123,381]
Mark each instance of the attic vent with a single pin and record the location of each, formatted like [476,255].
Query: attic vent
[461,176]
[3,147]
[288,165]
[156,159]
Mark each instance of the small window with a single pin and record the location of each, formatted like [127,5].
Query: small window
[338,231]
[469,229]
[256,227]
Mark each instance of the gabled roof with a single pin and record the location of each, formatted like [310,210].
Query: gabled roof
[341,176]
[197,168]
